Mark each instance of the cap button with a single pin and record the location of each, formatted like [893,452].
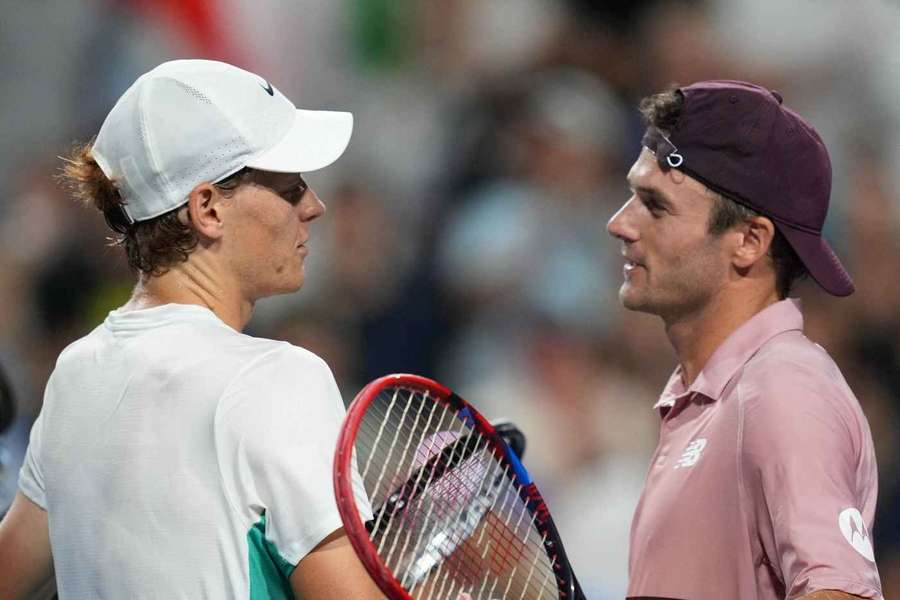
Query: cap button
[777,96]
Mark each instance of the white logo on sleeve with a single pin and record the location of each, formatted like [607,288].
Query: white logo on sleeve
[854,529]
[691,454]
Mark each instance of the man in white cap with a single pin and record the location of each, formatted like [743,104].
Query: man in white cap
[174,456]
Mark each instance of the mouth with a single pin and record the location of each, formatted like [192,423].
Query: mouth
[630,266]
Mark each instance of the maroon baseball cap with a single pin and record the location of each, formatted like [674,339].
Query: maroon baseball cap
[741,141]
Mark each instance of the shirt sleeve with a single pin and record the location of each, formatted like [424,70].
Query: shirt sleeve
[278,430]
[31,475]
[807,468]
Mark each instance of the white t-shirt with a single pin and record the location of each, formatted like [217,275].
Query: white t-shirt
[178,458]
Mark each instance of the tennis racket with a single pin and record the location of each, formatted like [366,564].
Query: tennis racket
[453,509]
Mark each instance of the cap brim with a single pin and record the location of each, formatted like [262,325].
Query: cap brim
[820,260]
[316,139]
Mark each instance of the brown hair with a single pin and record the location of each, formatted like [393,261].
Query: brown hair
[152,246]
[662,111]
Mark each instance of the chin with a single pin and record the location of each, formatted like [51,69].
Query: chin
[285,287]
[294,286]
[295,281]
[632,300]
[627,297]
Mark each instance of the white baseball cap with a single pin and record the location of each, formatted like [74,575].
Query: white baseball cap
[190,121]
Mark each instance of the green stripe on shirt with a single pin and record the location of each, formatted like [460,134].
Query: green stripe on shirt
[269,572]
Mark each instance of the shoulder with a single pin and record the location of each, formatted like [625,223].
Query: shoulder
[791,392]
[267,358]
[794,348]
[273,364]
[274,373]
[283,391]
[790,365]
[81,347]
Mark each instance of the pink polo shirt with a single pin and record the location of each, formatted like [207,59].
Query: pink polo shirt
[763,485]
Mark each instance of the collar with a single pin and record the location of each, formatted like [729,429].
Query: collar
[735,351]
[143,318]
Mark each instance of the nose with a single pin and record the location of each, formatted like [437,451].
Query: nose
[620,225]
[311,207]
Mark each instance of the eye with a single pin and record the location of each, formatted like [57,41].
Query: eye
[294,194]
[653,205]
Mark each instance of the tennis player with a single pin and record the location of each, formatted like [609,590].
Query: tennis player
[175,457]
[763,484]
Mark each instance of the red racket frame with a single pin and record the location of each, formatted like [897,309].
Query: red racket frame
[356,529]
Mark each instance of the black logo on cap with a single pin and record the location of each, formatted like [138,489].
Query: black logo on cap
[268,87]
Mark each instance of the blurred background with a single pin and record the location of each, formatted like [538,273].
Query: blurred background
[465,236]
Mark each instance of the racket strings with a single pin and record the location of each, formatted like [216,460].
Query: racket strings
[528,584]
[430,449]
[457,541]
[387,459]
[536,555]
[416,484]
[522,513]
[462,528]
[509,539]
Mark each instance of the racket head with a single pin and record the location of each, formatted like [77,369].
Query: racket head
[390,437]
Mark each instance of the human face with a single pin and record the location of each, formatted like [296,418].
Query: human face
[269,234]
[673,266]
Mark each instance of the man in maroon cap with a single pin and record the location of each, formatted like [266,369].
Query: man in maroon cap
[763,485]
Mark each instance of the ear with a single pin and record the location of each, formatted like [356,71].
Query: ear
[755,239]
[205,208]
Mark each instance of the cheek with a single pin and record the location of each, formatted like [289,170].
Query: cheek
[266,240]
[678,253]
[278,229]
[698,264]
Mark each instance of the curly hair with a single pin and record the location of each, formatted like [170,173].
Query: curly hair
[663,111]
[153,246]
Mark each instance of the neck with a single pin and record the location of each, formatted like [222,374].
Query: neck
[697,335]
[194,282]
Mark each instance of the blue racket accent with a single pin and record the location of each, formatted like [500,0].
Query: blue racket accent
[518,468]
[465,415]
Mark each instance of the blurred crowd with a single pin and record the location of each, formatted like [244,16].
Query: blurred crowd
[465,236]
